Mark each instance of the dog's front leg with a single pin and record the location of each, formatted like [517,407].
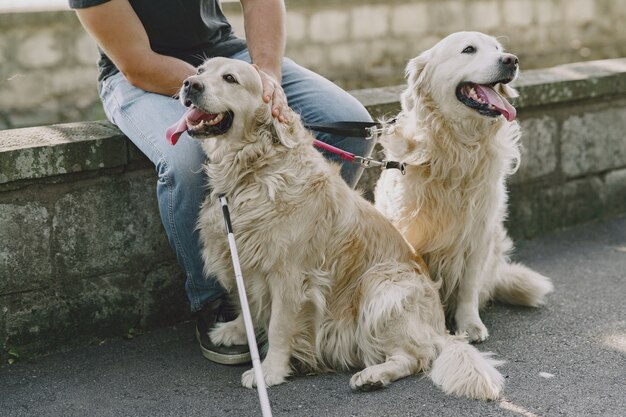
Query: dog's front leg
[276,365]
[466,315]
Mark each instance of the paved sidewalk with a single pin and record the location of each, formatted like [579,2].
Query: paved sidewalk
[565,359]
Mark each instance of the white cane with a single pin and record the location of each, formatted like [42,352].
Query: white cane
[247,317]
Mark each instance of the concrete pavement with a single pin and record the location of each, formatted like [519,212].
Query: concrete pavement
[567,358]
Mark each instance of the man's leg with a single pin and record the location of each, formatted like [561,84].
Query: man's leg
[144,117]
[318,101]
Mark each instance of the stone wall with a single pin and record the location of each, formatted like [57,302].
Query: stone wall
[82,250]
[83,254]
[361,43]
[48,63]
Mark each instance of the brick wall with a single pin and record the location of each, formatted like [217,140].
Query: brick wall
[48,70]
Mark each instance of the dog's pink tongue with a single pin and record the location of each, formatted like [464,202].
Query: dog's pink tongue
[497,101]
[173,132]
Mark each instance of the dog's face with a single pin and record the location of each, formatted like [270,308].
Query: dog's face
[222,98]
[466,74]
[224,93]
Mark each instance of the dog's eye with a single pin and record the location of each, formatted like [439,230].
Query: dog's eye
[469,50]
[200,71]
[229,78]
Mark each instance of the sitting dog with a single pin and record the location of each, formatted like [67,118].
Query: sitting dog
[329,279]
[456,131]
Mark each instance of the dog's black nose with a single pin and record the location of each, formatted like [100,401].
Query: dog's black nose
[509,60]
[192,84]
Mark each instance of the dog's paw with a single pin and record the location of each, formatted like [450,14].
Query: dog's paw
[275,377]
[367,380]
[229,333]
[475,331]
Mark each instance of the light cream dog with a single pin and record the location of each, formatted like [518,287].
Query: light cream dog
[457,132]
[330,280]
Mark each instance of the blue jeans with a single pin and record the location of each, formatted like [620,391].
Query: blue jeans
[181,184]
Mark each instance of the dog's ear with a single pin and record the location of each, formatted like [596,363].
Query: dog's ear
[415,73]
[272,130]
[283,132]
[507,91]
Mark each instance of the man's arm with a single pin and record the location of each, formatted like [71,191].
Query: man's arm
[119,32]
[264,23]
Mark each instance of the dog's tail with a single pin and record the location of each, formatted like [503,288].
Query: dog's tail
[460,369]
[519,285]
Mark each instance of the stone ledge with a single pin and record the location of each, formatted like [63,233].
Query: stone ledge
[58,149]
[46,151]
[571,82]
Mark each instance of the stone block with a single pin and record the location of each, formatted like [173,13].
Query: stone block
[350,54]
[296,27]
[618,8]
[548,12]
[484,15]
[329,26]
[25,90]
[539,149]
[4,52]
[446,16]
[67,80]
[107,226]
[311,55]
[86,50]
[163,298]
[36,322]
[73,313]
[571,82]
[518,12]
[40,50]
[25,257]
[46,151]
[579,11]
[369,22]
[409,19]
[616,191]
[594,142]
[27,118]
[538,208]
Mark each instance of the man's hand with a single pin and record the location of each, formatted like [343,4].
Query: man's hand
[273,93]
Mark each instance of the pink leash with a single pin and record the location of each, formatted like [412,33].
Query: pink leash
[354,129]
[342,154]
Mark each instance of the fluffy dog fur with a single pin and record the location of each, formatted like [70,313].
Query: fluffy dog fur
[451,203]
[330,280]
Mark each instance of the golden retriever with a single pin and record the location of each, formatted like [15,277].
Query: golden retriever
[329,279]
[456,131]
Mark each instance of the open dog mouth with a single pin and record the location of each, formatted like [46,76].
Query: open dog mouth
[197,123]
[485,99]
[208,124]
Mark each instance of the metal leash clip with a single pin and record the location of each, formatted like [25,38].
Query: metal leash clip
[369,163]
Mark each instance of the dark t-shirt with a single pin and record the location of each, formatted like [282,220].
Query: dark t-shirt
[191,30]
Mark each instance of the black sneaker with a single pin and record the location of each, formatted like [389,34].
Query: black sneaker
[216,312]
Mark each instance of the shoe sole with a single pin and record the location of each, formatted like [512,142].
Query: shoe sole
[222,358]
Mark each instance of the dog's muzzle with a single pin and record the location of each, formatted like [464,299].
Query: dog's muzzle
[197,121]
